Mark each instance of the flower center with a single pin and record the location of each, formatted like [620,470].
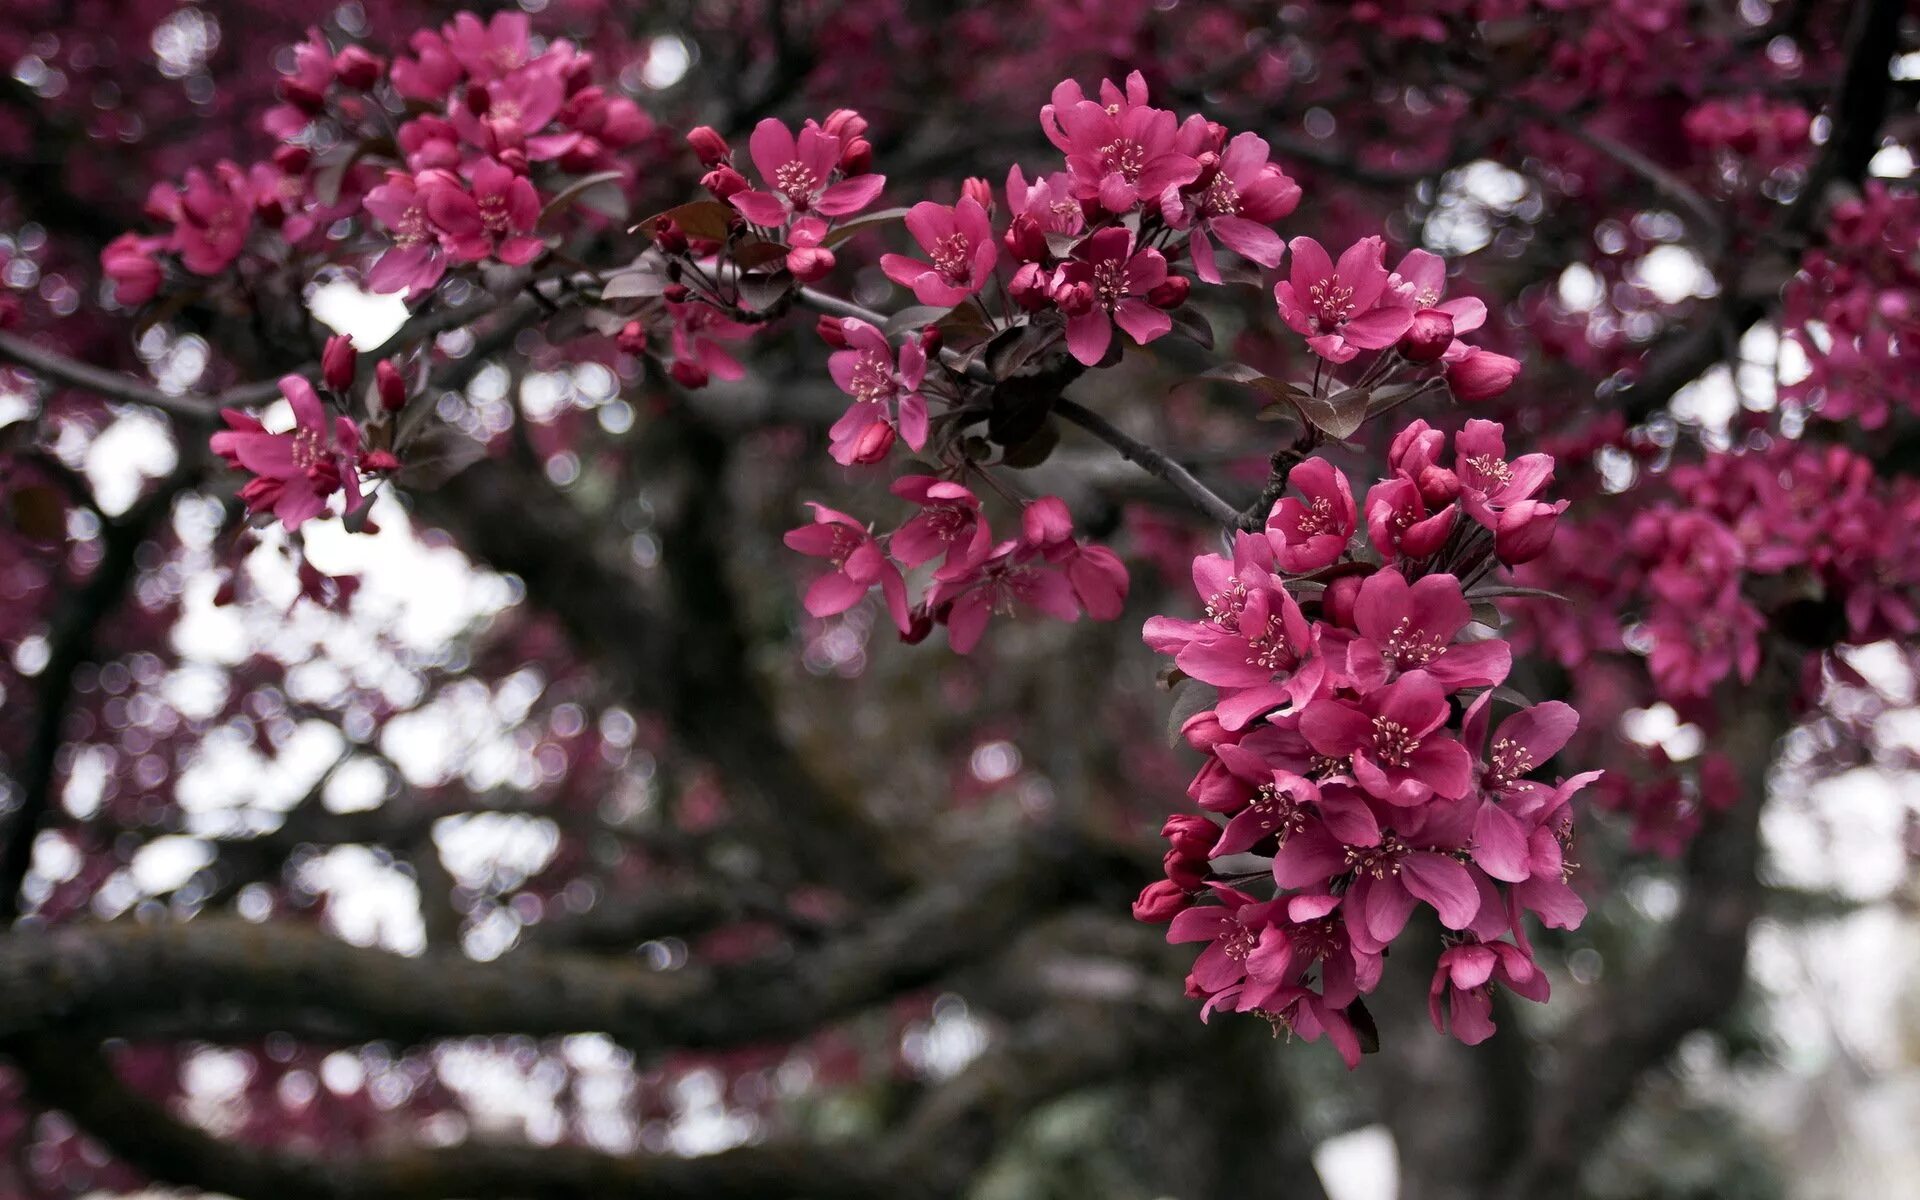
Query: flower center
[1510,761]
[1316,519]
[1223,608]
[952,257]
[494,214]
[1330,302]
[1276,813]
[1393,743]
[1496,469]
[1238,944]
[1270,650]
[872,378]
[1125,157]
[1409,646]
[798,181]
[1222,199]
[1378,861]
[1109,282]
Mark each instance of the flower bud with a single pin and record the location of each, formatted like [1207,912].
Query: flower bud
[931,340]
[830,331]
[1171,293]
[1336,603]
[724,182]
[1482,375]
[669,237]
[1160,901]
[358,68]
[379,462]
[810,264]
[479,100]
[582,155]
[1185,873]
[632,338]
[688,374]
[1437,484]
[513,159]
[391,387]
[857,158]
[1203,731]
[919,625]
[874,442]
[1191,834]
[292,160]
[1209,170]
[1428,337]
[709,146]
[979,191]
[337,362]
[308,100]
[845,123]
[1526,530]
[675,293]
[1031,288]
[1074,299]
[1025,239]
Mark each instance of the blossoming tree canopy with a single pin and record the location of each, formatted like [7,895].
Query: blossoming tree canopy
[1384,427]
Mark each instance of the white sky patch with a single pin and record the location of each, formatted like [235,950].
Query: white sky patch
[370,901]
[1362,1164]
[667,61]
[1673,274]
[369,318]
[124,456]
[1659,725]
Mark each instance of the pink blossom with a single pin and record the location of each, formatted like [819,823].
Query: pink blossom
[1049,200]
[1312,532]
[415,261]
[132,262]
[959,240]
[1399,524]
[1238,199]
[490,50]
[1123,158]
[496,220]
[1481,375]
[858,563]
[294,472]
[1489,483]
[1346,308]
[214,217]
[1393,737]
[1240,934]
[1406,626]
[949,523]
[800,172]
[1421,277]
[1014,576]
[885,393]
[1463,987]
[1116,280]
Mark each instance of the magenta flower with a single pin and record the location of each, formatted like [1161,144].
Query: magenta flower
[493,49]
[215,215]
[1014,576]
[496,220]
[1398,523]
[1392,736]
[415,261]
[885,394]
[1118,280]
[1312,532]
[1465,978]
[1241,936]
[698,330]
[800,172]
[294,472]
[1126,157]
[858,564]
[132,262]
[517,107]
[1525,530]
[1421,278]
[949,523]
[959,240]
[1481,375]
[1289,807]
[1245,194]
[1488,482]
[1346,308]
[1096,574]
[1049,200]
[1412,627]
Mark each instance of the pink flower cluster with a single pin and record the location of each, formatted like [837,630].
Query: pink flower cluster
[1348,755]
[295,473]
[1854,312]
[970,577]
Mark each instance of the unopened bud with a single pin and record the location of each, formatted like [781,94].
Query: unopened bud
[1438,486]
[1074,299]
[875,440]
[688,374]
[1160,901]
[669,237]
[292,160]
[831,333]
[1191,834]
[358,68]
[675,293]
[1337,602]
[810,264]
[931,340]
[1171,293]
[632,338]
[845,123]
[391,387]
[709,146]
[379,462]
[979,191]
[1185,873]
[857,158]
[337,362]
[1025,239]
[724,182]
[1428,337]
[1031,288]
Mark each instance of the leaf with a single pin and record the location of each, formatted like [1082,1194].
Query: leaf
[640,283]
[1013,348]
[760,291]
[1190,696]
[1364,1027]
[437,456]
[576,192]
[1061,245]
[1497,591]
[1019,407]
[707,219]
[757,253]
[1337,416]
[1035,450]
[872,220]
[917,316]
[1193,324]
[334,165]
